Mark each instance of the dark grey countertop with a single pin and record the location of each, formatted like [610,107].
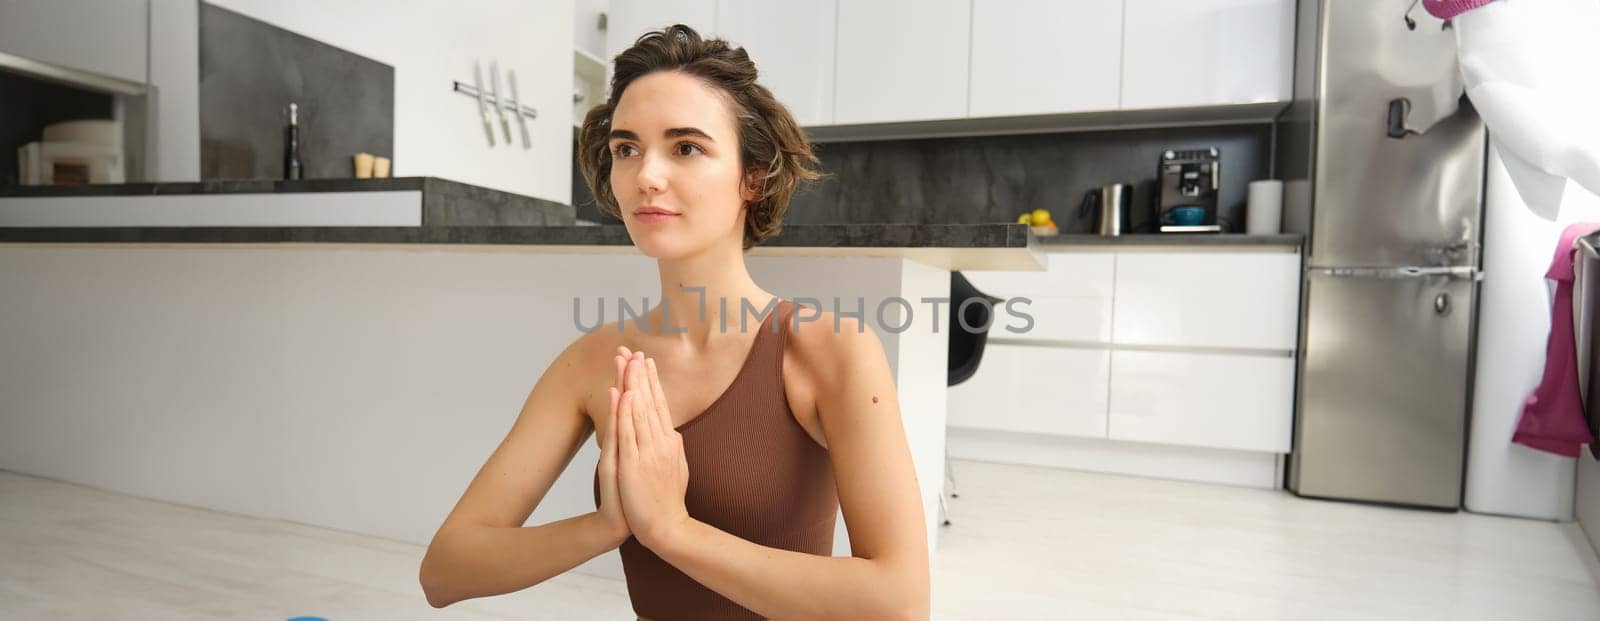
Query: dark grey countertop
[444,202]
[224,186]
[798,236]
[455,213]
[951,246]
[1171,239]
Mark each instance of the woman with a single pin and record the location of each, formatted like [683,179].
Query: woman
[726,449]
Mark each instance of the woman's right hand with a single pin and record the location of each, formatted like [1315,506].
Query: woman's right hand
[610,510]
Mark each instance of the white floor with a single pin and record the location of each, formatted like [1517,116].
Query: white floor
[1024,543]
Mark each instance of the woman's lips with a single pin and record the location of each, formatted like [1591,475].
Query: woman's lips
[654,216]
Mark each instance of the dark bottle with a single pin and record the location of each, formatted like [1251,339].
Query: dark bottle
[291,145]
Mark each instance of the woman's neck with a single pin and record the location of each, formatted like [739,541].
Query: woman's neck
[706,295]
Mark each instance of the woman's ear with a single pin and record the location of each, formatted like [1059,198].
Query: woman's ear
[750,189]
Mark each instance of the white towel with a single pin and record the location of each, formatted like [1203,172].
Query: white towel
[1528,67]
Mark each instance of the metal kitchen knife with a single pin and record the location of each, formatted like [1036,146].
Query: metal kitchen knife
[516,105]
[499,102]
[483,107]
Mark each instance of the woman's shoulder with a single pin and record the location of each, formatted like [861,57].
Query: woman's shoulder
[585,366]
[602,335]
[827,369]
[597,345]
[830,346]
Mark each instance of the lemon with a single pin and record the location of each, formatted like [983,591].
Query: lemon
[1026,218]
[1041,215]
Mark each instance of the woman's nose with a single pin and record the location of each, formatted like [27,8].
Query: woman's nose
[652,176]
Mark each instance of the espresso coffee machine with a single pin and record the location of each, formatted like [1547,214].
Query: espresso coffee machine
[1186,191]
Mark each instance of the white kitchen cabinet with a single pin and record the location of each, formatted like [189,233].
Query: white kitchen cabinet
[1241,402]
[1244,299]
[627,19]
[902,60]
[1073,319]
[105,38]
[1192,348]
[792,45]
[1034,389]
[1045,56]
[1066,274]
[1071,299]
[1206,52]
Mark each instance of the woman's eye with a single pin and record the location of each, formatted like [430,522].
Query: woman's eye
[627,150]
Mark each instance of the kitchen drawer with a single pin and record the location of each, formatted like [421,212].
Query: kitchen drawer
[1070,300]
[1245,300]
[1035,389]
[1055,319]
[1227,401]
[1066,274]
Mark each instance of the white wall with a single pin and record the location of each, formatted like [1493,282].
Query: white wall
[437,131]
[1513,324]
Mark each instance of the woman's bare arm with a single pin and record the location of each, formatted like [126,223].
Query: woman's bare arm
[468,561]
[482,548]
[887,575]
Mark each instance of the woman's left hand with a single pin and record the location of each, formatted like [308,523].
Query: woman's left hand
[651,467]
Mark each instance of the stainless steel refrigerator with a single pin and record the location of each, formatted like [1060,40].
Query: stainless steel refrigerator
[1386,181]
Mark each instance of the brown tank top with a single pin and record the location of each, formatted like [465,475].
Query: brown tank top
[754,472]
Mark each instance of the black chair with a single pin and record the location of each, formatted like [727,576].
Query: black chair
[966,350]
[966,346]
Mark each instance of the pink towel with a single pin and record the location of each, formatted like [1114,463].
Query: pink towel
[1552,416]
[1446,9]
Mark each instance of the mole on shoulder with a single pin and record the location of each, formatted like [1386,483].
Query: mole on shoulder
[874,399]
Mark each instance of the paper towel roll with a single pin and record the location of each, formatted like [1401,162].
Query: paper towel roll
[1264,207]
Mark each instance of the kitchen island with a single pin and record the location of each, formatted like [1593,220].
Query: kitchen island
[356,376]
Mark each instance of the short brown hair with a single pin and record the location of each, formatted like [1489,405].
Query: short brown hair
[769,137]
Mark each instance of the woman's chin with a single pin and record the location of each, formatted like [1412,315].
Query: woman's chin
[660,246]
[669,245]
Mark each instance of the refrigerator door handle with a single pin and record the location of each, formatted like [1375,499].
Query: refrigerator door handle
[1410,271]
[1451,252]
[1587,245]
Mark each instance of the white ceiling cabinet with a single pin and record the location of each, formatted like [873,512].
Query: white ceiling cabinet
[792,45]
[1179,53]
[1045,56]
[628,19]
[104,38]
[853,62]
[902,60]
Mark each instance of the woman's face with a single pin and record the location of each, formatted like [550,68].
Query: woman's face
[675,165]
